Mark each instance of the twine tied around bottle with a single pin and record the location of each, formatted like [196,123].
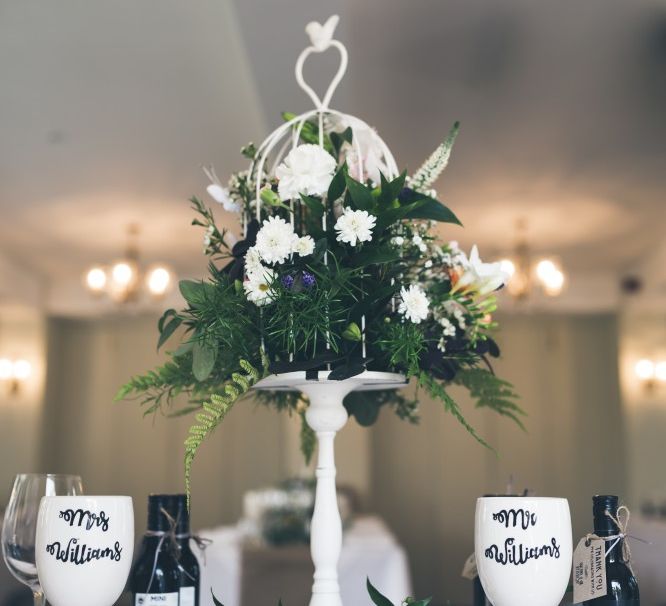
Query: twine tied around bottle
[622,524]
[171,538]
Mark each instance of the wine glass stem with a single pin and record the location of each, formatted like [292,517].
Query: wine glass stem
[39,599]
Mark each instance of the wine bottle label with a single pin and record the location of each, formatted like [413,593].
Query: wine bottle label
[156,599]
[187,595]
[589,570]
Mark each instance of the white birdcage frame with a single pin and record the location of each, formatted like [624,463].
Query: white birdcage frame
[326,414]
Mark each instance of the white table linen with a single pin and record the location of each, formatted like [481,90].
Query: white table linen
[368,550]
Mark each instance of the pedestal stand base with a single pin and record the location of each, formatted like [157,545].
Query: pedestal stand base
[326,415]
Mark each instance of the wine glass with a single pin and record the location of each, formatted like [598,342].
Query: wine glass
[20,523]
[84,548]
[523,549]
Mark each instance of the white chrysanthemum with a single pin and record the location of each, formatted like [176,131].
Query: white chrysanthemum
[252,260]
[221,194]
[258,286]
[413,303]
[307,169]
[355,226]
[275,240]
[304,246]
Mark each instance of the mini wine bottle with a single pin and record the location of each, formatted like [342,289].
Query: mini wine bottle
[621,584]
[166,572]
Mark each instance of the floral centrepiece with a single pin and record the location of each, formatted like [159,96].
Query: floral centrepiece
[331,273]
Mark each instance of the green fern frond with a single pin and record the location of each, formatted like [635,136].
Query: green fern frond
[437,391]
[425,176]
[215,410]
[308,439]
[490,391]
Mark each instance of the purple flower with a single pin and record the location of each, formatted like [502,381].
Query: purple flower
[308,279]
[287,281]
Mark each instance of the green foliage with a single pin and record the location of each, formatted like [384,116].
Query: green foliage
[308,439]
[403,343]
[437,391]
[214,412]
[490,391]
[381,600]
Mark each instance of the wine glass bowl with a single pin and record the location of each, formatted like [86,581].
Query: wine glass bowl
[20,522]
[84,548]
[523,549]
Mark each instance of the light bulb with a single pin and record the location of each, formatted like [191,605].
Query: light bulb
[6,369]
[553,284]
[159,280]
[96,279]
[660,370]
[122,274]
[22,369]
[645,369]
[508,267]
[545,269]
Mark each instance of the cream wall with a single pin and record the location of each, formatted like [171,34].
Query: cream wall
[21,337]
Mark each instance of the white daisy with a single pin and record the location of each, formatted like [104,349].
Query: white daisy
[257,286]
[307,169]
[275,240]
[413,303]
[252,260]
[355,226]
[304,246]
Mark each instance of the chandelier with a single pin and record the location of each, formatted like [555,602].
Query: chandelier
[126,280]
[527,273]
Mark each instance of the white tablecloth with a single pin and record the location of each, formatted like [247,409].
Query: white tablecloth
[368,550]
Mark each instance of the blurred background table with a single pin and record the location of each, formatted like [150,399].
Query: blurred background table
[243,575]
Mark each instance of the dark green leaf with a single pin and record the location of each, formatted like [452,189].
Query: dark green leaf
[203,360]
[361,196]
[314,205]
[215,600]
[375,596]
[167,314]
[376,256]
[391,189]
[351,369]
[192,291]
[366,412]
[427,208]
[320,248]
[168,330]
[338,184]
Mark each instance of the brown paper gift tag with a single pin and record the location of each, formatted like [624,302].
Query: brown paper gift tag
[589,570]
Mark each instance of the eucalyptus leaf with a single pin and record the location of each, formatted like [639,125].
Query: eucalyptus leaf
[203,360]
[168,330]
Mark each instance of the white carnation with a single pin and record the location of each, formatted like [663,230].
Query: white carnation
[413,303]
[355,226]
[307,169]
[257,286]
[275,240]
[304,246]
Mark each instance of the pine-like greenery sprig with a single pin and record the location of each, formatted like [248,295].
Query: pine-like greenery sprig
[423,179]
[215,410]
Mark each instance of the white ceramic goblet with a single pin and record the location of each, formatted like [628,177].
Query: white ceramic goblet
[523,549]
[84,549]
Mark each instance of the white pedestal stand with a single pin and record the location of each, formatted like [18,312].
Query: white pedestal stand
[326,415]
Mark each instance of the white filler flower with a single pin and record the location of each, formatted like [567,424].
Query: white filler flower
[275,240]
[413,304]
[307,169]
[355,226]
[304,246]
[258,286]
[481,277]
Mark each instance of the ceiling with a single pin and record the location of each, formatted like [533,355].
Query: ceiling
[108,110]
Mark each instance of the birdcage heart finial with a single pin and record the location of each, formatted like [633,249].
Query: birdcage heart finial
[322,35]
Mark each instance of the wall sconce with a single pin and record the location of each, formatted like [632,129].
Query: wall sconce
[651,373]
[15,373]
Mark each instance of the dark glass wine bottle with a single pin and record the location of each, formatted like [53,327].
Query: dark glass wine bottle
[166,571]
[620,582]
